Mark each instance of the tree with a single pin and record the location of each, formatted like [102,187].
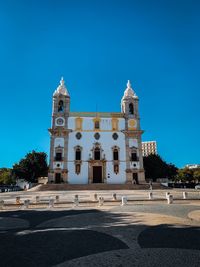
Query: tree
[31,167]
[196,174]
[171,171]
[185,175]
[5,176]
[155,167]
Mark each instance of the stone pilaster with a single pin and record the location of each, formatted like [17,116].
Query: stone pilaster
[60,109]
[141,174]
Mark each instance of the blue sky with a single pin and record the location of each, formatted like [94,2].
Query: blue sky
[97,46]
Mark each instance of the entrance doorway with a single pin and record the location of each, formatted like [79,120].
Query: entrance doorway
[135,178]
[58,178]
[97,174]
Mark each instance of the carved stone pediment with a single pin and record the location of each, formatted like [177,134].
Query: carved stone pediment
[98,162]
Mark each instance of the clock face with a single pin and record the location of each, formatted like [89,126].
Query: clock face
[60,121]
[132,123]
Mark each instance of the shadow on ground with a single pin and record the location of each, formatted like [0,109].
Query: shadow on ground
[48,246]
[168,236]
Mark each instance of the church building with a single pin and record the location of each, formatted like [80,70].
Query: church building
[95,147]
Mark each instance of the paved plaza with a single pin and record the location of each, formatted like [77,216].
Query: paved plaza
[141,233]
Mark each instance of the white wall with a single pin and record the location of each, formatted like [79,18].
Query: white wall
[87,142]
[133,142]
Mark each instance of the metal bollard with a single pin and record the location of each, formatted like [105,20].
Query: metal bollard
[37,199]
[185,195]
[26,203]
[150,195]
[57,199]
[95,197]
[76,201]
[51,203]
[124,201]
[101,201]
[167,194]
[18,200]
[170,199]
[114,196]
[1,204]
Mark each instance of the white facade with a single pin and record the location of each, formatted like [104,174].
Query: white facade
[88,141]
[89,147]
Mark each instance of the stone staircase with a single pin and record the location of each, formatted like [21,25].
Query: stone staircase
[78,187]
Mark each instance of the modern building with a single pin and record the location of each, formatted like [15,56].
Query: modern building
[149,147]
[192,166]
[90,147]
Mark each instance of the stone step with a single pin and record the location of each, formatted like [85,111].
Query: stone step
[77,187]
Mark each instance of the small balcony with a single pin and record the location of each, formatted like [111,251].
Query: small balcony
[134,159]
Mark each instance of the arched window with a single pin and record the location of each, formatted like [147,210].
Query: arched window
[60,106]
[97,155]
[78,154]
[115,154]
[131,110]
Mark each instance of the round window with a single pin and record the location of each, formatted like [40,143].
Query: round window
[97,136]
[78,135]
[60,121]
[115,136]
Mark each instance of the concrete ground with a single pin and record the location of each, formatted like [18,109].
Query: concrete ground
[142,233]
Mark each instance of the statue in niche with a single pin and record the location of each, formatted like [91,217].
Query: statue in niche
[60,106]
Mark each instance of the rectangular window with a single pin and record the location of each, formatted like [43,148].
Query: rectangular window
[97,155]
[58,156]
[115,155]
[78,155]
[133,156]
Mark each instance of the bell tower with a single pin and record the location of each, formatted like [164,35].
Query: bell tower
[59,135]
[129,103]
[133,133]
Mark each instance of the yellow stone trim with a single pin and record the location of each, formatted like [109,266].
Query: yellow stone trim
[132,124]
[78,124]
[115,124]
[99,114]
[99,130]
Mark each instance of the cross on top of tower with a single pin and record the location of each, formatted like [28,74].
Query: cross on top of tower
[62,82]
[61,89]
[129,91]
[128,84]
